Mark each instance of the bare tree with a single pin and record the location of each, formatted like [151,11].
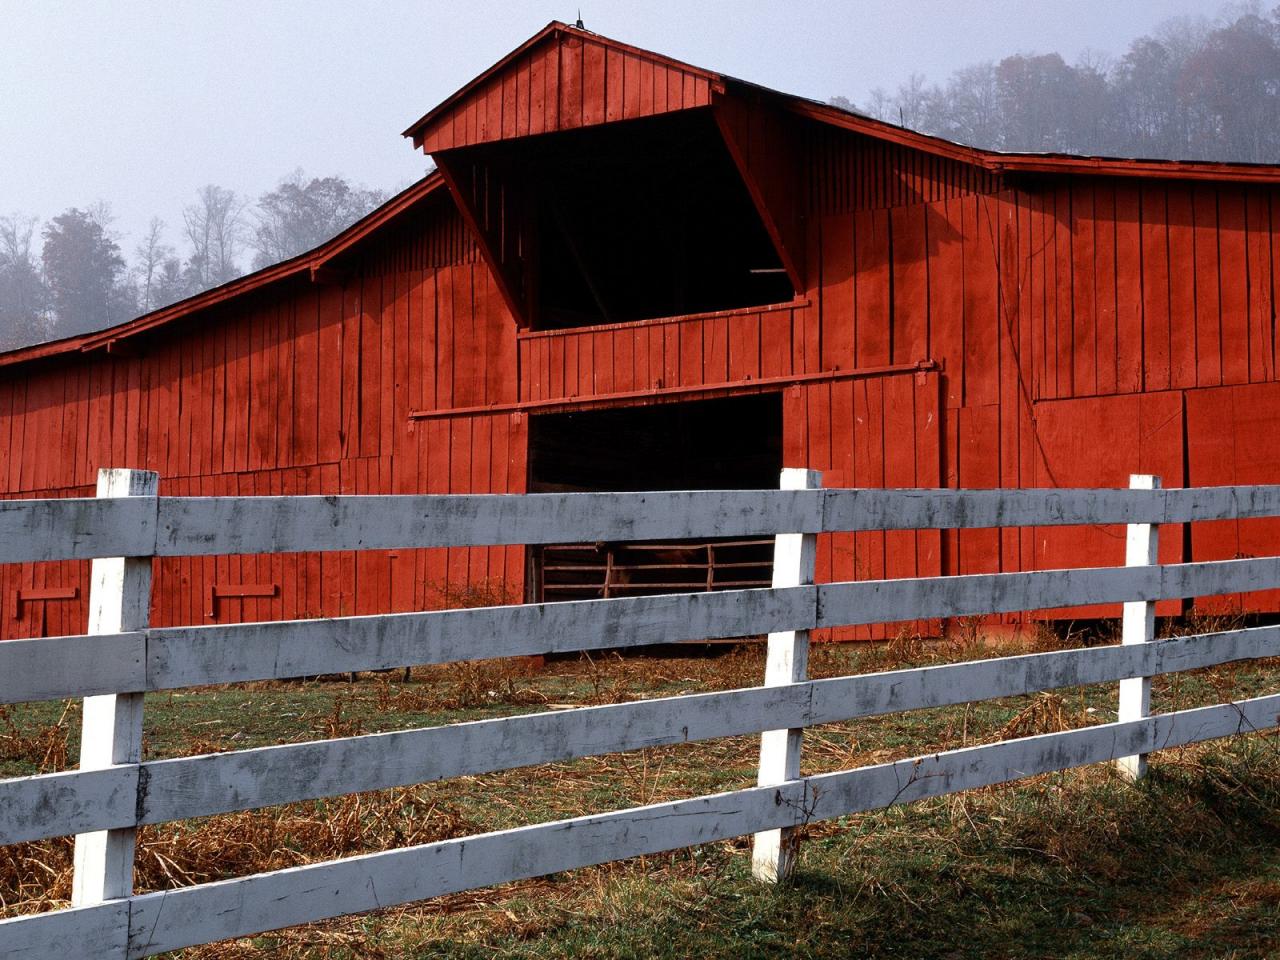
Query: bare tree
[152,253]
[300,214]
[24,297]
[215,231]
[1191,89]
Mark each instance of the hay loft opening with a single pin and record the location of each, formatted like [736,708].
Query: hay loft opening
[625,221]
[711,444]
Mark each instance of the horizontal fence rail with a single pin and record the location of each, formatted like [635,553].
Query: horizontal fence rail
[40,806]
[83,528]
[116,797]
[166,658]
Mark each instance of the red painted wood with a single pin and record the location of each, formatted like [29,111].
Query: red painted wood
[1182,288]
[1258,252]
[1204,203]
[1155,288]
[1066,315]
[1083,312]
[1233,278]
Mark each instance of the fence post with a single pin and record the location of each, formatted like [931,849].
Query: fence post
[787,661]
[1138,626]
[119,600]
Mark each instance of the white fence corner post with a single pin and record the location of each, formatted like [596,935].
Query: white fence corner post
[787,661]
[1138,626]
[119,601]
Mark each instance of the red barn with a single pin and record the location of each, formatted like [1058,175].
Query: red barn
[630,272]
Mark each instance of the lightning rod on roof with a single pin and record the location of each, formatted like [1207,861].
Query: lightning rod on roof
[579,22]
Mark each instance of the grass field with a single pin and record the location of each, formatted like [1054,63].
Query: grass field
[1077,864]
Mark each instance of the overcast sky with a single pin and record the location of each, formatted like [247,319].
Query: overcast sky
[141,103]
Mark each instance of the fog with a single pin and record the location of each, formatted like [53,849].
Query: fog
[141,105]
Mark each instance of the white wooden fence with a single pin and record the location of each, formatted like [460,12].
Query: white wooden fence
[122,658]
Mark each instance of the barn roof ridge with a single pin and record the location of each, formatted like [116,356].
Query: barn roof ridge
[994,161]
[310,263]
[313,262]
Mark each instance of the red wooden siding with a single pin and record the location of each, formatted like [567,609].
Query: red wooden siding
[565,81]
[851,171]
[954,325]
[303,390]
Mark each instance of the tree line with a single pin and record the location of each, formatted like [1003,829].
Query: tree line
[69,275]
[1193,89]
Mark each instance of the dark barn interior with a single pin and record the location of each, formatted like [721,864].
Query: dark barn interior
[709,444]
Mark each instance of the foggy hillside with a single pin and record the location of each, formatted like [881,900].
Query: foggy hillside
[1191,90]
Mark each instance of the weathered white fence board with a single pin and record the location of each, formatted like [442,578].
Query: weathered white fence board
[872,788]
[83,528]
[75,528]
[887,601]
[76,801]
[80,933]
[57,667]
[123,793]
[233,908]
[188,656]
[196,525]
[224,782]
[909,509]
[177,918]
[218,783]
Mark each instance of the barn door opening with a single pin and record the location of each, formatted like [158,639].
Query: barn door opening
[733,443]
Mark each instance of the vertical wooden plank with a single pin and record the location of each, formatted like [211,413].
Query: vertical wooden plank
[1258,228]
[786,661]
[981,303]
[120,600]
[1104,285]
[715,351]
[631,87]
[1128,290]
[1204,208]
[670,334]
[624,372]
[1084,324]
[1139,626]
[691,358]
[615,61]
[744,346]
[1155,288]
[946,295]
[570,101]
[871,287]
[594,93]
[1233,277]
[910,261]
[836,291]
[538,83]
[1182,287]
[775,343]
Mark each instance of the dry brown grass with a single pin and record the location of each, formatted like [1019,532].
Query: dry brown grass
[36,876]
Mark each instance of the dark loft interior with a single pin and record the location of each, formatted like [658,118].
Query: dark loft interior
[712,444]
[630,221]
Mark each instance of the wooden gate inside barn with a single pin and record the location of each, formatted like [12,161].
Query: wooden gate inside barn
[731,443]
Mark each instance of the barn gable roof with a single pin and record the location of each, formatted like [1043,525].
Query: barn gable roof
[574,77]
[562,78]
[586,79]
[311,265]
